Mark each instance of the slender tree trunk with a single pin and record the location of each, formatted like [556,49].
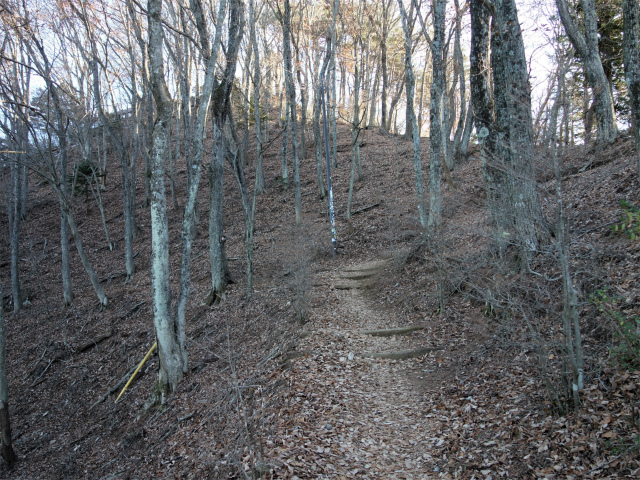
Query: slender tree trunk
[373,98]
[260,183]
[317,110]
[220,108]
[217,256]
[421,101]
[15,217]
[8,454]
[459,68]
[291,104]
[83,256]
[245,108]
[67,286]
[189,217]
[332,90]
[285,147]
[355,128]
[383,61]
[411,87]
[303,102]
[468,127]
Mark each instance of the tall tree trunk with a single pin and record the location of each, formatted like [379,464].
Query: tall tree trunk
[355,126]
[291,103]
[383,61]
[482,104]
[303,103]
[435,140]
[317,110]
[632,66]
[245,108]
[220,108]
[332,90]
[459,68]
[415,134]
[15,216]
[171,359]
[210,54]
[514,129]
[260,184]
[587,47]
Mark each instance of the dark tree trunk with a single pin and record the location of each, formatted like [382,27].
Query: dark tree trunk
[632,66]
[8,454]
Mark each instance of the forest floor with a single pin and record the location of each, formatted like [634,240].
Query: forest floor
[301,381]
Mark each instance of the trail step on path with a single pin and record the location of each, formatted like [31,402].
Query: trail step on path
[354,402]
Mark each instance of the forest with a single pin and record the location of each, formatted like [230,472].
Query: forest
[324,239]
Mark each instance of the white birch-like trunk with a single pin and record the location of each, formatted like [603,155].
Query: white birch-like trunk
[171,371]
[415,135]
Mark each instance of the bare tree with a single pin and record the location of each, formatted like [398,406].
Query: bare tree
[413,122]
[586,45]
[167,332]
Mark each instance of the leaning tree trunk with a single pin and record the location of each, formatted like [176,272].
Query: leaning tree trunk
[632,66]
[587,47]
[61,133]
[8,454]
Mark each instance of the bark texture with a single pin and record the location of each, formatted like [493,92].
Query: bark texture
[630,11]
[586,46]
[8,454]
[168,348]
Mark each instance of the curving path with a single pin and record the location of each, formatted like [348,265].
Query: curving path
[351,414]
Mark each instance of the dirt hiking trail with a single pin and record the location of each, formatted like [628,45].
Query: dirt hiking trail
[354,407]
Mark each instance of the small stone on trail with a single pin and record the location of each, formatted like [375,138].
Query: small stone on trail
[350,356]
[343,359]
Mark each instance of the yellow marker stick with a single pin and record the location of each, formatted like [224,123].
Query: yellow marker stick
[137,370]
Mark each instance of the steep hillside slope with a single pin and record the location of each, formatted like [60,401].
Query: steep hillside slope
[288,385]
